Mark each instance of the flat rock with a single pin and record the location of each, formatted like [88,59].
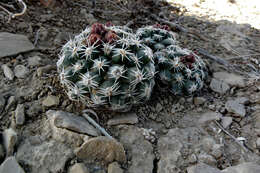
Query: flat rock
[226,121]
[114,168]
[20,71]
[78,168]
[9,74]
[127,118]
[10,139]
[219,86]
[209,116]
[72,122]
[51,101]
[2,103]
[138,147]
[103,149]
[19,114]
[248,167]
[238,109]
[13,44]
[11,102]
[10,165]
[202,168]
[230,78]
[44,157]
[34,61]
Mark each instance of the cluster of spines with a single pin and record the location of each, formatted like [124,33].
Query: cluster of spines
[181,69]
[107,65]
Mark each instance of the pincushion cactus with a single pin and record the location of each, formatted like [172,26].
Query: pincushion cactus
[107,66]
[181,69]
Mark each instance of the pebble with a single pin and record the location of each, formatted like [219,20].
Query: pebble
[217,150]
[126,118]
[45,69]
[2,103]
[208,159]
[51,100]
[114,168]
[202,168]
[233,106]
[7,72]
[199,100]
[219,86]
[192,158]
[103,149]
[159,107]
[19,114]
[20,71]
[78,168]
[209,116]
[10,165]
[9,139]
[10,103]
[34,61]
[226,121]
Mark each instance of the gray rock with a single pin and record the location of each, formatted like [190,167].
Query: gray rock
[20,71]
[230,78]
[88,16]
[35,61]
[209,116]
[2,152]
[248,167]
[208,159]
[243,100]
[226,121]
[208,143]
[2,103]
[192,158]
[217,150]
[159,107]
[140,150]
[45,157]
[114,168]
[258,142]
[78,168]
[126,118]
[233,106]
[11,102]
[19,114]
[51,101]
[72,122]
[199,100]
[13,44]
[7,72]
[103,149]
[9,139]
[10,165]
[34,108]
[219,86]
[202,168]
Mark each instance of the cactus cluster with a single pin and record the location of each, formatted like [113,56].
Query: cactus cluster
[181,69]
[107,66]
[112,67]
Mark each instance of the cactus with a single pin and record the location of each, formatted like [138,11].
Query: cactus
[181,69]
[107,66]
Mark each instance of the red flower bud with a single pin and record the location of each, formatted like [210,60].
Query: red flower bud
[110,37]
[190,58]
[94,38]
[108,24]
[98,28]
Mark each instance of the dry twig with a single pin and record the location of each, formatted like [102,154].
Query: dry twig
[13,15]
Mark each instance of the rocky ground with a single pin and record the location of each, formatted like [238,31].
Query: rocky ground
[215,131]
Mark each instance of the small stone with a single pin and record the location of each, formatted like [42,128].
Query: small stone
[127,118]
[235,107]
[209,116]
[78,168]
[208,159]
[8,72]
[159,107]
[103,149]
[51,101]
[2,152]
[72,122]
[247,167]
[13,44]
[207,143]
[114,168]
[219,86]
[20,71]
[199,100]
[258,142]
[192,158]
[242,100]
[19,114]
[2,103]
[11,102]
[217,150]
[10,139]
[45,69]
[226,121]
[35,61]
[230,78]
[202,168]
[10,165]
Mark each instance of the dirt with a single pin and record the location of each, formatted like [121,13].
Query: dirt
[50,28]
